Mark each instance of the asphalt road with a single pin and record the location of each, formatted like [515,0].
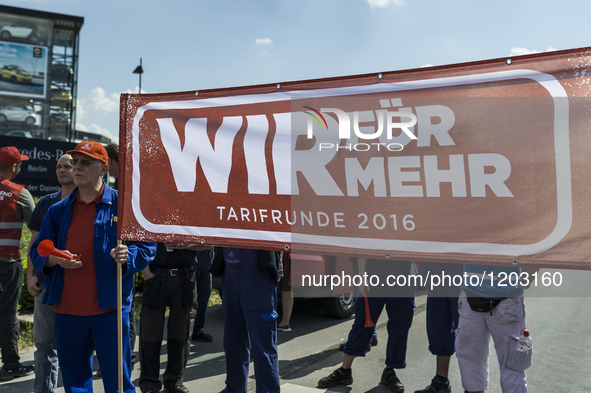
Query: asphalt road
[559,327]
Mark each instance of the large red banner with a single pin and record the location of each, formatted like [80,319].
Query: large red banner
[475,162]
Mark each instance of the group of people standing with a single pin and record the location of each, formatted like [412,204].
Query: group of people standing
[76,293]
[75,297]
[457,322]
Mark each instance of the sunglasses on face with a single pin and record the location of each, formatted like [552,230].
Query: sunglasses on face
[75,161]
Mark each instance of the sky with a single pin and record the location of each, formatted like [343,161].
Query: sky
[203,44]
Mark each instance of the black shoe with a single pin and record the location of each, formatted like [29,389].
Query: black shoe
[203,337]
[390,379]
[6,374]
[340,376]
[437,386]
[177,389]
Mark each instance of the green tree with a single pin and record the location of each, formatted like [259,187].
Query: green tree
[26,301]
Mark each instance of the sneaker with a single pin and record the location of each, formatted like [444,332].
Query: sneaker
[390,379]
[340,376]
[284,328]
[6,374]
[437,386]
[203,337]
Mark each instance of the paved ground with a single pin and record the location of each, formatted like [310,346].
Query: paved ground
[559,327]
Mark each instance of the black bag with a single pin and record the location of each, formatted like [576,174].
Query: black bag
[481,304]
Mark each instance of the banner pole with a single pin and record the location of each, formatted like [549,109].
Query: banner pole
[120,323]
[121,176]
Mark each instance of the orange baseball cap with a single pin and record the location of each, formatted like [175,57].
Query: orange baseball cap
[10,155]
[92,149]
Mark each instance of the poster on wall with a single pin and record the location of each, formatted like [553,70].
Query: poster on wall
[38,172]
[483,161]
[23,70]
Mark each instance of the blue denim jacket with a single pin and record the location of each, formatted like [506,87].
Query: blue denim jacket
[55,227]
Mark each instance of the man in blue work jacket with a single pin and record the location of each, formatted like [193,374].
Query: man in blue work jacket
[83,291]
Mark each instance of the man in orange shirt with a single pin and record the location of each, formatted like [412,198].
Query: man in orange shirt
[83,291]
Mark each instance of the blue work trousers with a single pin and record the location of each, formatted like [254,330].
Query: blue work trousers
[442,322]
[74,336]
[400,313]
[250,300]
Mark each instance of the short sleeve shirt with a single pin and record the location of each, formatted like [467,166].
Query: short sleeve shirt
[25,206]
[41,210]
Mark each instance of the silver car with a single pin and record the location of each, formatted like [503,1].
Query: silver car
[25,32]
[18,113]
[20,134]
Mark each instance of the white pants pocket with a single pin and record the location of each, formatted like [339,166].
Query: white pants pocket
[518,359]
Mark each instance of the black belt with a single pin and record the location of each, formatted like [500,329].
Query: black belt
[172,272]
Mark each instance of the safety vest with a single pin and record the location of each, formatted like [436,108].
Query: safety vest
[10,227]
